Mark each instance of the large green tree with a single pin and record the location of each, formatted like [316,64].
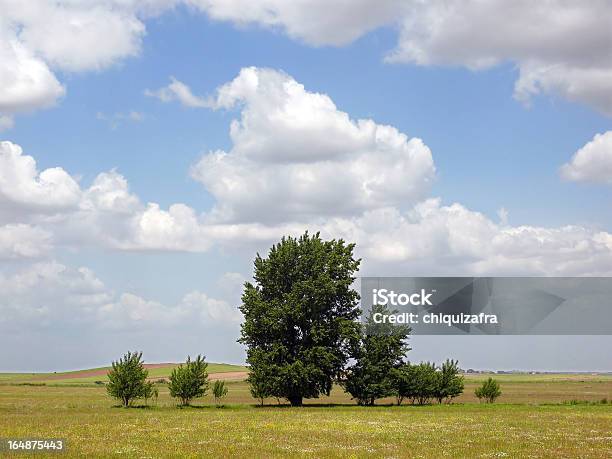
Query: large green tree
[300,317]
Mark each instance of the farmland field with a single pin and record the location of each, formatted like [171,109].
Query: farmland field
[530,420]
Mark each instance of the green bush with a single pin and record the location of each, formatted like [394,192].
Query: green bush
[189,381]
[423,382]
[127,378]
[219,391]
[489,390]
[449,381]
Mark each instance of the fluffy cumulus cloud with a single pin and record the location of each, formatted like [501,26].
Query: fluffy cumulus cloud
[592,162]
[560,47]
[24,189]
[50,294]
[105,213]
[39,38]
[26,82]
[77,36]
[316,22]
[23,241]
[434,239]
[296,155]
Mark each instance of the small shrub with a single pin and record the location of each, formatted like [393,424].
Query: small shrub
[127,378]
[489,391]
[189,381]
[449,382]
[219,391]
[418,383]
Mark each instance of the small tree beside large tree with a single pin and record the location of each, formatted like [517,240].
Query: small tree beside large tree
[300,317]
[379,355]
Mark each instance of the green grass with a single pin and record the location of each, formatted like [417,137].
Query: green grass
[530,420]
[85,416]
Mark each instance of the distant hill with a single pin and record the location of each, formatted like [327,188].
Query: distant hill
[93,375]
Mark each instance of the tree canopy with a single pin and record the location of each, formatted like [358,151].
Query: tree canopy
[300,317]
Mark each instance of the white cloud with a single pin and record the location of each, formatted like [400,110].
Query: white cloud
[433,239]
[23,187]
[560,47]
[38,38]
[51,295]
[210,309]
[73,35]
[195,309]
[316,22]
[178,228]
[295,149]
[26,83]
[592,162]
[178,91]
[23,241]
[590,85]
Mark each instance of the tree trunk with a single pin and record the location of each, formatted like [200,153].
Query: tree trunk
[295,400]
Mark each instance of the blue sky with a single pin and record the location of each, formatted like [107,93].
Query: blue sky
[489,150]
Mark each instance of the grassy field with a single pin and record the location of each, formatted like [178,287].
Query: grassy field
[529,421]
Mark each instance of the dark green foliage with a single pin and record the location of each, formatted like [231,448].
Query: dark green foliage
[404,383]
[450,382]
[300,317]
[418,383]
[489,390]
[425,383]
[380,353]
[219,391]
[127,378]
[189,381]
